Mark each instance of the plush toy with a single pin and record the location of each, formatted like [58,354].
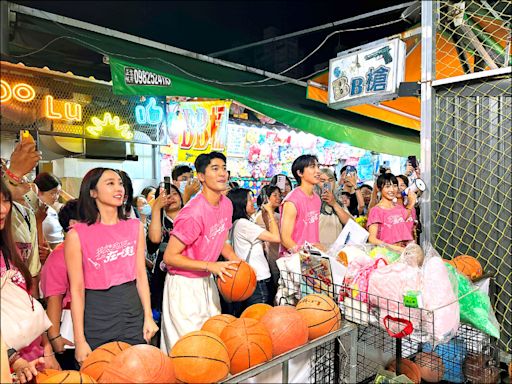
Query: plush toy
[254,153]
[413,255]
[475,305]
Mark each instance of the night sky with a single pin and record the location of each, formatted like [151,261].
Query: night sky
[210,26]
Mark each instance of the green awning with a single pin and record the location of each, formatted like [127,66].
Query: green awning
[196,78]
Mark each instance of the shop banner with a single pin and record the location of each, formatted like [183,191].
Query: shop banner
[197,127]
[366,74]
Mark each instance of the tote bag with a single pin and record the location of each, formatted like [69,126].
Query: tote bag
[23,318]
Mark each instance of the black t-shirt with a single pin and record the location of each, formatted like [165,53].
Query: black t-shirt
[353,205]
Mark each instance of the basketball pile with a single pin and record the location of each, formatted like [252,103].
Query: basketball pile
[226,344]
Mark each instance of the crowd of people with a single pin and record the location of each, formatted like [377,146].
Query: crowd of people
[111,266]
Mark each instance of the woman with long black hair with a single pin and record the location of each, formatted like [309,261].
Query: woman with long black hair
[247,239]
[105,259]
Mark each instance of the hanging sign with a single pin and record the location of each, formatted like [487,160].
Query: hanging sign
[135,76]
[197,127]
[366,74]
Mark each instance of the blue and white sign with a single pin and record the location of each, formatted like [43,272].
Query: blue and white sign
[366,74]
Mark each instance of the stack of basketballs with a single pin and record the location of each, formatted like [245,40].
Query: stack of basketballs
[223,345]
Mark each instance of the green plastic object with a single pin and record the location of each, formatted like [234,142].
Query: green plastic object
[475,305]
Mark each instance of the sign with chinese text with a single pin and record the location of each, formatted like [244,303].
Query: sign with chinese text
[367,74]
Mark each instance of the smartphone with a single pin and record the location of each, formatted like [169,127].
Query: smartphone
[413,161]
[167,185]
[326,187]
[281,182]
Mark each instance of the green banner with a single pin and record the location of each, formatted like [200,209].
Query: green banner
[280,104]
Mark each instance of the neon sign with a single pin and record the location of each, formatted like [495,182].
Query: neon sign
[21,92]
[69,110]
[99,126]
[149,114]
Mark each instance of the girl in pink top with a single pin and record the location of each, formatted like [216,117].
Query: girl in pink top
[389,222]
[300,210]
[105,259]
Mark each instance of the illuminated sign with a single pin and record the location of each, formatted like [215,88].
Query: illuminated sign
[21,92]
[114,123]
[67,110]
[150,113]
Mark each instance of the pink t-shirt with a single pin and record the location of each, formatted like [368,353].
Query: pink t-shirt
[54,276]
[395,224]
[203,228]
[34,349]
[109,253]
[308,215]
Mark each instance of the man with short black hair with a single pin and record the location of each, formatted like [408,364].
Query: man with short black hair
[198,238]
[182,178]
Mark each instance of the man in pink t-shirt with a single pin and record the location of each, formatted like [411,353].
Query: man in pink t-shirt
[300,210]
[197,240]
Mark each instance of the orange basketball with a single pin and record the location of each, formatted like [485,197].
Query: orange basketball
[255,311]
[240,286]
[69,377]
[216,324]
[200,357]
[98,360]
[286,327]
[139,364]
[248,343]
[321,314]
[468,265]
[45,374]
[431,366]
[407,368]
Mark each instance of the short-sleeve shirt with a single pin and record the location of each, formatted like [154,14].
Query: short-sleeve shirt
[395,224]
[203,228]
[52,229]
[54,276]
[25,235]
[245,233]
[308,215]
[109,253]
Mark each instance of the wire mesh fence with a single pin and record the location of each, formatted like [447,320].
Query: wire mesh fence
[471,143]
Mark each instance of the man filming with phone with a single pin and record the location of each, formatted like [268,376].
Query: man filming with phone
[348,183]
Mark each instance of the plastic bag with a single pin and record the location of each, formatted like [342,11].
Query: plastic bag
[440,298]
[475,305]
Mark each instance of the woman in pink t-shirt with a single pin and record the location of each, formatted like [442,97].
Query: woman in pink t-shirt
[390,222]
[105,258]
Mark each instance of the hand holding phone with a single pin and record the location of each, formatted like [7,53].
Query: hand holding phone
[167,185]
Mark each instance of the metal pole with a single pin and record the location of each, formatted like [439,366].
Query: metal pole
[428,34]
[313,29]
[4,29]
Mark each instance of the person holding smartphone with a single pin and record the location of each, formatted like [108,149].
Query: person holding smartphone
[333,215]
[348,183]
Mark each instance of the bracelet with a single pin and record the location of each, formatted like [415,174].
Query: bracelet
[12,176]
[50,355]
[54,338]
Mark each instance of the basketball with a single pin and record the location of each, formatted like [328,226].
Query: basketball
[286,327]
[468,266]
[45,374]
[140,363]
[255,311]
[200,357]
[248,343]
[431,366]
[69,377]
[321,314]
[98,360]
[216,324]
[407,368]
[240,286]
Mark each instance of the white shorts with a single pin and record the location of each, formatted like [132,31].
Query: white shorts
[187,304]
